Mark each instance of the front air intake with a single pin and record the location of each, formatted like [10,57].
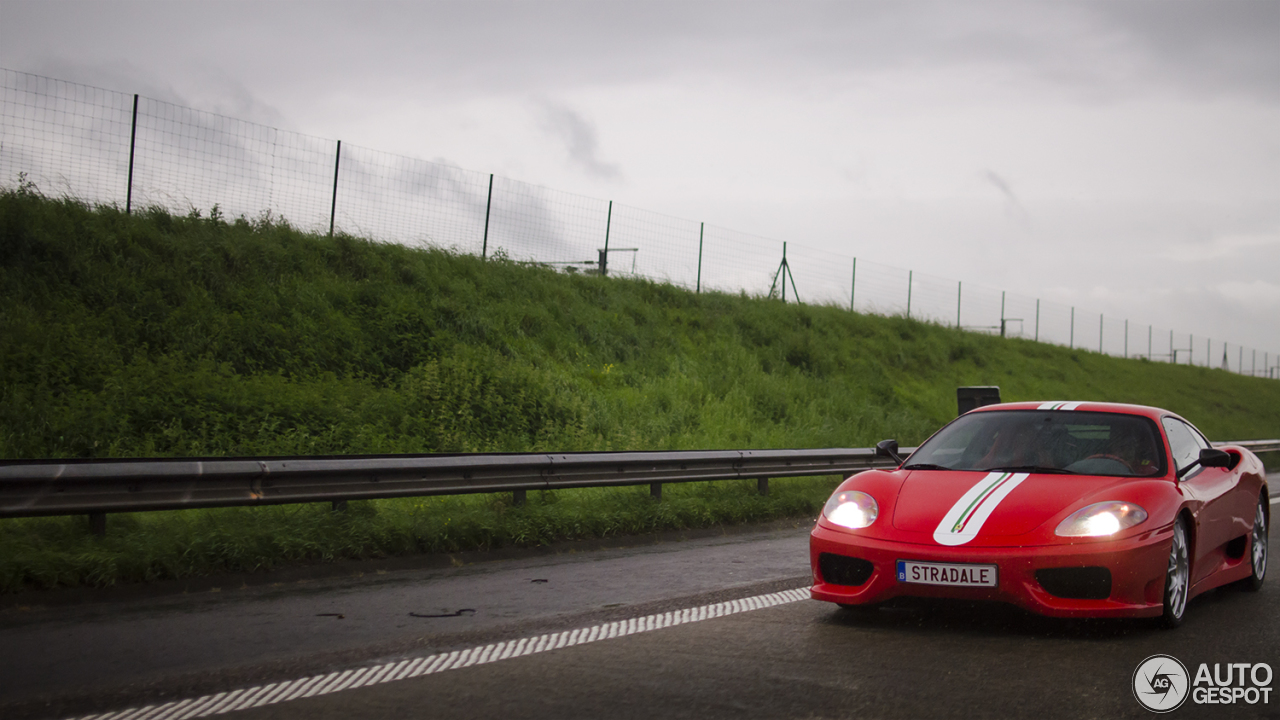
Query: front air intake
[842,570]
[1076,583]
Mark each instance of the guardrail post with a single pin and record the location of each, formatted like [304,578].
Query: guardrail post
[519,497]
[98,524]
[339,505]
[762,485]
[655,491]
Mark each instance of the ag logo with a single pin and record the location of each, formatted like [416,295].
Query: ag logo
[1161,683]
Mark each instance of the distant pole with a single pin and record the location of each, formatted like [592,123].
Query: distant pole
[959,295]
[1037,319]
[1240,362]
[604,257]
[133,143]
[1099,333]
[853,284]
[784,272]
[333,208]
[1071,343]
[1150,334]
[1253,365]
[1191,349]
[910,275]
[1173,356]
[488,204]
[701,227]
[1208,352]
[1126,337]
[1002,294]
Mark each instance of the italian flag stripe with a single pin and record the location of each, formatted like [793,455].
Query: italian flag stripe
[977,502]
[1060,405]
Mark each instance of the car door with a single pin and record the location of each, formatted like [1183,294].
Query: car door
[1211,487]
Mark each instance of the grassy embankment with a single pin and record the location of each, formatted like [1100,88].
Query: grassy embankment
[156,335]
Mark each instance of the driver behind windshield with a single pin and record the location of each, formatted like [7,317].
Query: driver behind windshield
[1082,443]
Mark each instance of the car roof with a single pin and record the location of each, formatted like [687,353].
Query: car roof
[1154,413]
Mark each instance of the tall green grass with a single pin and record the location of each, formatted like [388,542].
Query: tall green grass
[152,335]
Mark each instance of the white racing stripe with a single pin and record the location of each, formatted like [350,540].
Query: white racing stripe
[273,693]
[963,521]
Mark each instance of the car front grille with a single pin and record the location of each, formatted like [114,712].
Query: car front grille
[842,570]
[1076,583]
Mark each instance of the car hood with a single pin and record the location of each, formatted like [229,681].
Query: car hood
[987,504]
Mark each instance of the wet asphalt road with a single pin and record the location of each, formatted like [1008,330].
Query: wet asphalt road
[803,659]
[811,660]
[77,657]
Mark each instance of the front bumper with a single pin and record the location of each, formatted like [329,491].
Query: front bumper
[1137,568]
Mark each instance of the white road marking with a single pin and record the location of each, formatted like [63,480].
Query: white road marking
[273,693]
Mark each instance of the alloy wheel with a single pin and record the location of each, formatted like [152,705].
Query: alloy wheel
[1179,577]
[1259,543]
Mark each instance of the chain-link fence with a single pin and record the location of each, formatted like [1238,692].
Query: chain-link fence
[112,148]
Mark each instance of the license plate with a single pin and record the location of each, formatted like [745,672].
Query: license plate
[927,573]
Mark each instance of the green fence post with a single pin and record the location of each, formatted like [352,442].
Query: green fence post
[604,256]
[910,275]
[853,285]
[128,198]
[484,248]
[701,227]
[333,208]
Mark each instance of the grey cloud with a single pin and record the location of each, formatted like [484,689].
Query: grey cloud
[1210,48]
[579,138]
[118,75]
[233,98]
[1106,49]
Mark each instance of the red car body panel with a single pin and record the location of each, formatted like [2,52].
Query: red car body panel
[1019,535]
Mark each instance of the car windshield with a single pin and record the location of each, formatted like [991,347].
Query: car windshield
[1064,442]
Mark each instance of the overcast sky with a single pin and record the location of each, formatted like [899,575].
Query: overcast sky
[1119,156]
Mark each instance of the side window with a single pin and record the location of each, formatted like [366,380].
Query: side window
[1184,442]
[1200,439]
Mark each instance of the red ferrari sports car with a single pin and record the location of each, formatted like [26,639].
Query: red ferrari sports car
[1070,509]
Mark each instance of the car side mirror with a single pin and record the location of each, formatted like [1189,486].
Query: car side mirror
[1209,457]
[889,449]
[1213,457]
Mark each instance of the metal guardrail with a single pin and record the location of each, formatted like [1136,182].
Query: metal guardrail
[1257,446]
[72,487]
[96,487]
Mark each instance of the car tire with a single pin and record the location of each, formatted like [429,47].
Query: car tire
[1258,547]
[1177,581]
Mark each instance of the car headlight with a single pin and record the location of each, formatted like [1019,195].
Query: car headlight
[1101,519]
[851,509]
